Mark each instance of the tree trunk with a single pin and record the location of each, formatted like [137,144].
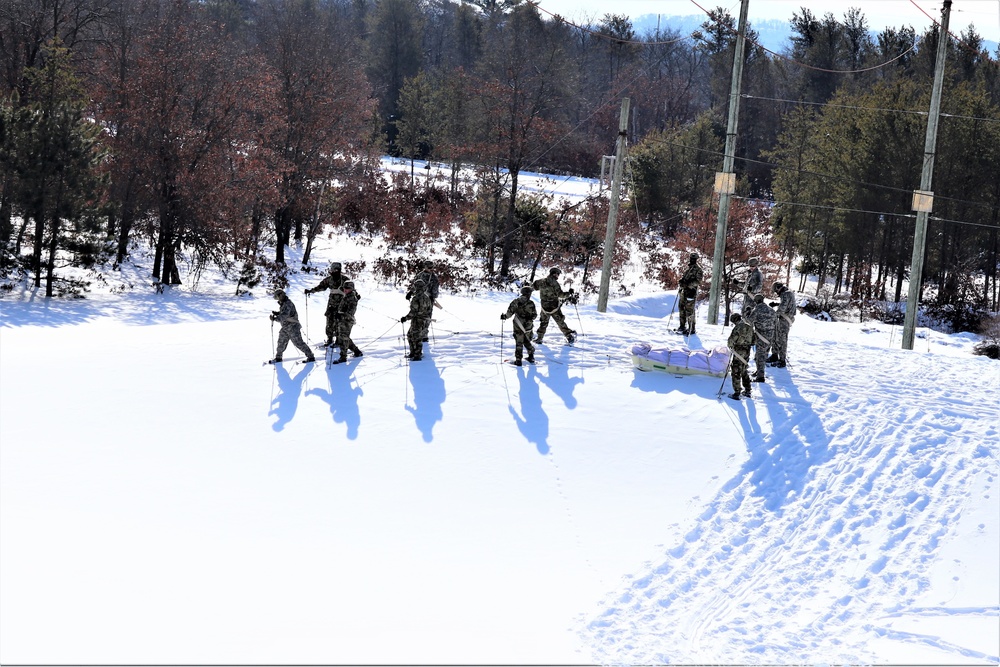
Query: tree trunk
[509,226]
[53,244]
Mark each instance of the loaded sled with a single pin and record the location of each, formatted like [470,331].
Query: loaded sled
[681,360]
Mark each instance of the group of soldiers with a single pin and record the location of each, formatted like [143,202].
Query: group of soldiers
[422,295]
[761,326]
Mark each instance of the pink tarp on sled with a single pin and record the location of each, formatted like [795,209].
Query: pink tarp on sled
[681,360]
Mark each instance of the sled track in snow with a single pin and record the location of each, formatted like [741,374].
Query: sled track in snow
[844,493]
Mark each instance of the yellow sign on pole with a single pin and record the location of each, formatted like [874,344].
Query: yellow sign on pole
[725,182]
[923,201]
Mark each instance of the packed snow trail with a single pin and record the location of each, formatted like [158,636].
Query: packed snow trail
[855,475]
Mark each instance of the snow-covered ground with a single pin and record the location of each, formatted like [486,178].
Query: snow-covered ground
[165,498]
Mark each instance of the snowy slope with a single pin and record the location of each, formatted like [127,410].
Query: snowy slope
[166,499]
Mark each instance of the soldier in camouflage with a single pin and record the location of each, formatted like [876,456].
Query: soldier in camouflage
[335,283]
[552,295]
[764,320]
[345,322]
[785,309]
[430,280]
[421,307]
[754,285]
[522,310]
[687,293]
[291,330]
[739,344]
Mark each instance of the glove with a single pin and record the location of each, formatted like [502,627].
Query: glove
[274,315]
[503,316]
[773,304]
[570,290]
[309,291]
[409,295]
[403,318]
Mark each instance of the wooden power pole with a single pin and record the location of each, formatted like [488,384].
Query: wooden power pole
[616,187]
[726,179]
[923,199]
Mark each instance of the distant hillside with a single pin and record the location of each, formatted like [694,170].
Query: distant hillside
[774,33]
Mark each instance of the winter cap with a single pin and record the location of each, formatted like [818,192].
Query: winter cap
[279,294]
[754,261]
[428,263]
[525,291]
[335,266]
[349,285]
[777,287]
[555,270]
[694,257]
[735,317]
[759,298]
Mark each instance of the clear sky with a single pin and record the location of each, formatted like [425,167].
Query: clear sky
[985,14]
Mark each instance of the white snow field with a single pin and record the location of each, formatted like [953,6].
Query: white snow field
[167,499]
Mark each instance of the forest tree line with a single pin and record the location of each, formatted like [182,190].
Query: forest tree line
[210,131]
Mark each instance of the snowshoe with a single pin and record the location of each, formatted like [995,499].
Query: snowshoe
[358,353]
[309,360]
[516,362]
[735,396]
[571,338]
[531,359]
[746,392]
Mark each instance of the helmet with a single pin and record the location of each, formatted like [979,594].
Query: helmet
[334,266]
[694,257]
[555,271]
[754,261]
[349,285]
[525,291]
[759,298]
[279,294]
[777,287]
[735,317]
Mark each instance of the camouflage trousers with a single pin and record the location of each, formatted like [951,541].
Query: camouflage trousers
[557,315]
[293,333]
[748,304]
[781,337]
[419,328]
[343,340]
[522,341]
[687,315]
[739,370]
[763,350]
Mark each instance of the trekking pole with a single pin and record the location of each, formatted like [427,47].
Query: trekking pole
[272,335]
[404,341]
[722,388]
[673,308]
[578,320]
[501,341]
[307,318]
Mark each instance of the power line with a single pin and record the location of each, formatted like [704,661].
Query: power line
[860,108]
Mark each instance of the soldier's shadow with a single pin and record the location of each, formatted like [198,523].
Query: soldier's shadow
[533,423]
[342,396]
[428,396]
[286,401]
[558,380]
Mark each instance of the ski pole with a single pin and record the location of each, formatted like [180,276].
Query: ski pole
[722,388]
[673,308]
[501,341]
[307,318]
[578,320]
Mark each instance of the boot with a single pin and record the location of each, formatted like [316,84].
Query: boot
[538,339]
[341,359]
[758,378]
[780,364]
[735,395]
[571,337]
[531,358]
[691,333]
[276,360]
[517,362]
[773,358]
[746,392]
[357,352]
[310,360]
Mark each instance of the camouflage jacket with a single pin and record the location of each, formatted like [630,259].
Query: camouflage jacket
[348,306]
[763,319]
[430,283]
[334,283]
[755,282]
[421,306]
[787,307]
[549,292]
[287,315]
[522,309]
[692,277]
[741,339]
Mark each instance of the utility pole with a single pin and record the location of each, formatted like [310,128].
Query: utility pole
[616,187]
[923,199]
[725,180]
